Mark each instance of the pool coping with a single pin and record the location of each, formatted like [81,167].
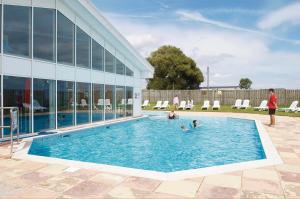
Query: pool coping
[272,158]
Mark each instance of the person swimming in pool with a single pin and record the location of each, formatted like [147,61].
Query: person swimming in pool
[195,123]
[184,129]
[172,115]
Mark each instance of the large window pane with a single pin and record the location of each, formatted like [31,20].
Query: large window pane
[129,72]
[65,104]
[109,62]
[83,103]
[98,102]
[44,94]
[109,102]
[120,101]
[65,40]
[120,68]
[44,34]
[17,30]
[98,56]
[16,93]
[0,26]
[129,101]
[83,49]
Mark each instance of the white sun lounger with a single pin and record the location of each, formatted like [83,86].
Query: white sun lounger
[190,105]
[246,104]
[158,105]
[216,105]
[238,104]
[36,106]
[108,104]
[263,106]
[83,103]
[182,105]
[165,105]
[129,101]
[292,108]
[145,104]
[206,105]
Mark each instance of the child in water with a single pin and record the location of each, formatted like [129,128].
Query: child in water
[193,125]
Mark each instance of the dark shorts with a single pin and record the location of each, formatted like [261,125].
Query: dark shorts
[272,111]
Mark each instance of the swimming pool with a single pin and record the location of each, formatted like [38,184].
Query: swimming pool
[158,144]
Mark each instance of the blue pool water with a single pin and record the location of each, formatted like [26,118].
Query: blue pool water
[158,144]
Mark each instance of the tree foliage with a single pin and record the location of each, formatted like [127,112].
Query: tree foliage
[173,69]
[245,83]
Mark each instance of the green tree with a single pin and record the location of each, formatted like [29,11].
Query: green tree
[173,70]
[245,83]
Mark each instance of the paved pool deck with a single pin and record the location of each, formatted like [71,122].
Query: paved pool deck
[30,179]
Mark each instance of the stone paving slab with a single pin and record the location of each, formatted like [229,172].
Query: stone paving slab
[28,179]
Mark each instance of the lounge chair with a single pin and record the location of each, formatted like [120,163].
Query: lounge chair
[100,102]
[182,105]
[108,104]
[158,105]
[206,105]
[190,104]
[216,105]
[263,106]
[298,110]
[238,104]
[129,101]
[83,103]
[123,101]
[36,106]
[165,105]
[145,104]
[292,108]
[246,104]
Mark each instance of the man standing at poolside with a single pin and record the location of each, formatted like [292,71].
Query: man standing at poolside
[272,105]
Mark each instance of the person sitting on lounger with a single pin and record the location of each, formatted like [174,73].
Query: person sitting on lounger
[172,115]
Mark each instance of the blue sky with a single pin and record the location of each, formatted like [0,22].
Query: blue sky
[259,39]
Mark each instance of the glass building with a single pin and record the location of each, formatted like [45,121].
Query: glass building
[63,64]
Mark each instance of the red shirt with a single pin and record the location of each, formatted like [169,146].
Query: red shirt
[272,102]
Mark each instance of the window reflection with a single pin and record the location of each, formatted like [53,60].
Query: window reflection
[98,56]
[120,101]
[129,101]
[109,62]
[120,68]
[83,48]
[83,102]
[44,34]
[109,103]
[129,72]
[65,40]
[17,93]
[44,94]
[98,102]
[17,30]
[65,104]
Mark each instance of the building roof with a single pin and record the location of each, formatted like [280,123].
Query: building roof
[90,13]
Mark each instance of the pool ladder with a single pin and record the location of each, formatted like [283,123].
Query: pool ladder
[14,126]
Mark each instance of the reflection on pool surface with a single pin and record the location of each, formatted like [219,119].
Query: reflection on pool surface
[158,144]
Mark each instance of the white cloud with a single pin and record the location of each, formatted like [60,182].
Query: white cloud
[229,54]
[287,15]
[196,16]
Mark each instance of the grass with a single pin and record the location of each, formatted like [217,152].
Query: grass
[228,109]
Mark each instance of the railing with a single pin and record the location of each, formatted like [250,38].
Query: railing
[14,125]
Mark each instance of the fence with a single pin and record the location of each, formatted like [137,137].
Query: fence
[226,97]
